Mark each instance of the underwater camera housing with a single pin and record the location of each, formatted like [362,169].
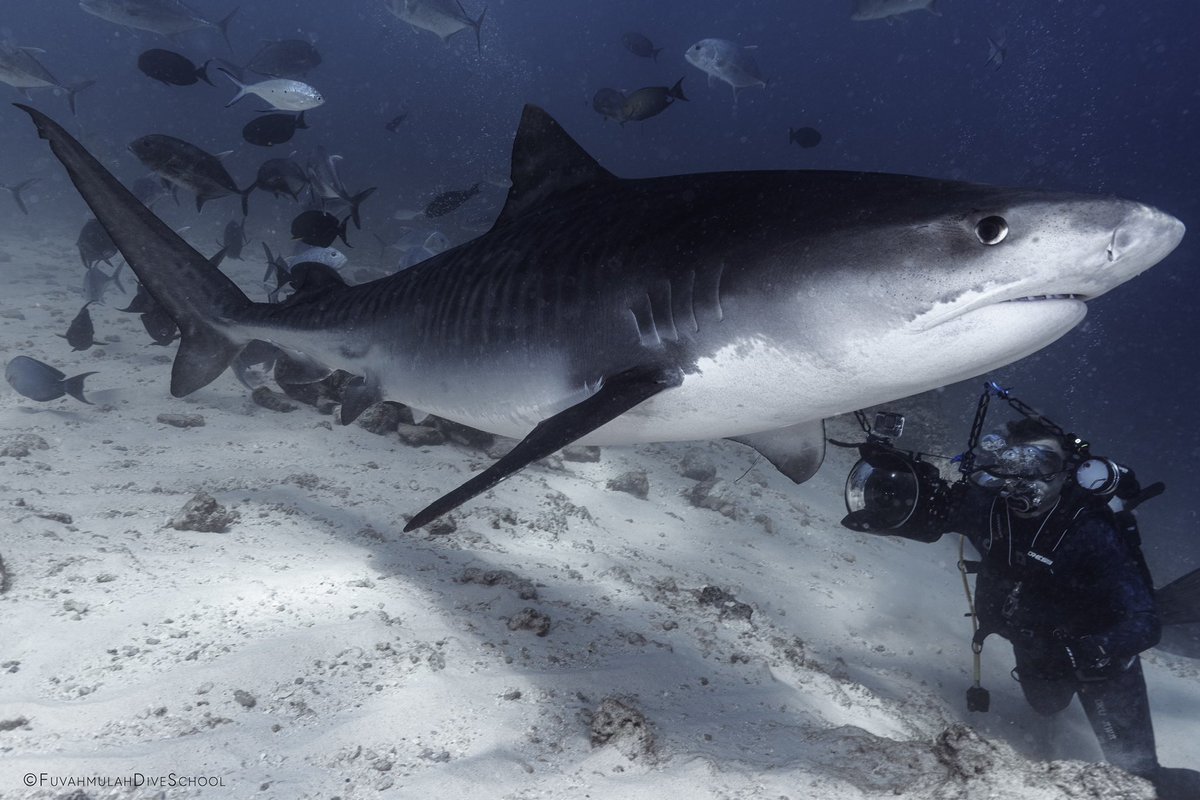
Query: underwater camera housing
[893,492]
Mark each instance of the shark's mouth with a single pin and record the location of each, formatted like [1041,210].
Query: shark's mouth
[1038,297]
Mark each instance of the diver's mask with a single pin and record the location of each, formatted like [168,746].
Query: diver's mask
[1027,474]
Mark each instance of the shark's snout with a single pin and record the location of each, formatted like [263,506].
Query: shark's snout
[1144,236]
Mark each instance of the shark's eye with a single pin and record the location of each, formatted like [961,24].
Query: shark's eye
[991,230]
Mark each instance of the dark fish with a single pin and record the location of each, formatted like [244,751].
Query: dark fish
[155,319]
[805,137]
[394,124]
[271,129]
[141,303]
[610,104]
[81,333]
[95,244]
[172,68]
[287,58]
[96,282]
[651,101]
[640,46]
[318,228]
[16,193]
[161,327]
[233,239]
[282,176]
[446,202]
[187,166]
[42,382]
[311,280]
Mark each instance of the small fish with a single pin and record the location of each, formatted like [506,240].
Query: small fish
[865,10]
[395,122]
[19,69]
[286,58]
[318,228]
[96,282]
[233,239]
[639,45]
[610,104]
[446,202]
[805,137]
[16,192]
[81,333]
[272,129]
[997,51]
[326,183]
[284,94]
[441,17]
[95,244]
[725,61]
[165,17]
[172,68]
[650,101]
[185,165]
[40,381]
[281,176]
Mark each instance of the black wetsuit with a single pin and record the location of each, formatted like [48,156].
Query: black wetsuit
[1071,593]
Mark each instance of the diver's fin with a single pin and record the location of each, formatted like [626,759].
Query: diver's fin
[191,290]
[615,396]
[797,451]
[1179,601]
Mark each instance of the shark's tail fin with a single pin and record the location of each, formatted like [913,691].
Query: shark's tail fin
[198,297]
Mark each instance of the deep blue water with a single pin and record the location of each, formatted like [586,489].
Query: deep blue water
[1100,97]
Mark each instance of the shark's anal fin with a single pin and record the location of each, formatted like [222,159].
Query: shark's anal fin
[616,395]
[797,450]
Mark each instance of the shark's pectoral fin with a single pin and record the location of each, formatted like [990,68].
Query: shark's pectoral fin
[615,396]
[797,451]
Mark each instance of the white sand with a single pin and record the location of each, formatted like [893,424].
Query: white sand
[130,648]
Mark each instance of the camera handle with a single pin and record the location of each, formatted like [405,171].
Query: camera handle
[978,698]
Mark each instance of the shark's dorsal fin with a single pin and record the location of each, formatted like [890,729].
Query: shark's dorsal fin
[545,161]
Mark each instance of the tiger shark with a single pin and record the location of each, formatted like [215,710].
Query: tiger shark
[601,310]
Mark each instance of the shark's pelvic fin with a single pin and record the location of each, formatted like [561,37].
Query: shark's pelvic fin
[616,395]
[797,451]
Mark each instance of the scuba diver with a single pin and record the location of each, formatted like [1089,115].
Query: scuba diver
[1061,574]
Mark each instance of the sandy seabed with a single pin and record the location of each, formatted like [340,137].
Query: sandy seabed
[717,639]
